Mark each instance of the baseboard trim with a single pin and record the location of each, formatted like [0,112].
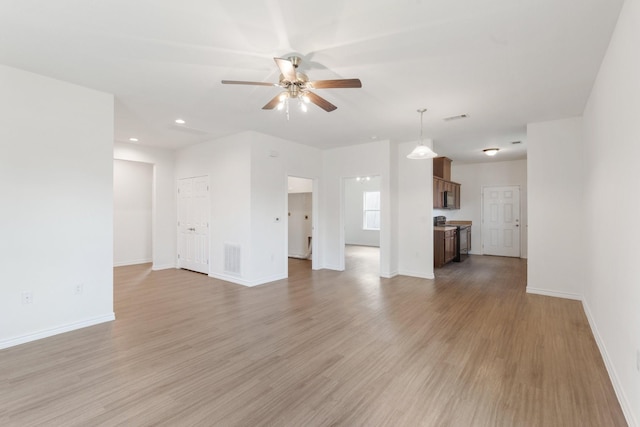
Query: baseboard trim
[548,293]
[248,283]
[416,274]
[55,331]
[334,267]
[134,262]
[622,398]
[156,267]
[388,275]
[298,256]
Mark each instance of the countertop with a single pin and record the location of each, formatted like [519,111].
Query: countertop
[458,223]
[451,225]
[444,227]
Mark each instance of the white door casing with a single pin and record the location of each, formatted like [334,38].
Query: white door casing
[501,221]
[193,224]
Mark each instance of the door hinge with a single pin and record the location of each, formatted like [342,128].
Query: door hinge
[178,256]
[178,223]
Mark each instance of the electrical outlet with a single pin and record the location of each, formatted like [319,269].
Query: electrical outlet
[27,297]
[78,289]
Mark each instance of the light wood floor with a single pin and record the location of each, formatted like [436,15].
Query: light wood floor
[322,348]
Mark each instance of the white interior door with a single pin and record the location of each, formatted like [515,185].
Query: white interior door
[193,224]
[501,221]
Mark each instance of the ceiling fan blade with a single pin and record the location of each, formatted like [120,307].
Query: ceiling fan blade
[321,102]
[238,82]
[287,69]
[335,84]
[273,103]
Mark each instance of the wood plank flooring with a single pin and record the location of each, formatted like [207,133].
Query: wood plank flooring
[322,348]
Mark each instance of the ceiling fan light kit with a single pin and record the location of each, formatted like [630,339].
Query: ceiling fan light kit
[297,85]
[421,151]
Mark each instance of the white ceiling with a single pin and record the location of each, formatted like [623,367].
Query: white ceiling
[505,63]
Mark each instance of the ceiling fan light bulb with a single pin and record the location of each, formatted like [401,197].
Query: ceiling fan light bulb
[303,107]
[305,98]
[280,106]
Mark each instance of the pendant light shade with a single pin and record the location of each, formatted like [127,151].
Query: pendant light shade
[422,151]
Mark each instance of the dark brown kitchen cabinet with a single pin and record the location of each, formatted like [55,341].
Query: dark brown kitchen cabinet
[442,168]
[442,182]
[439,187]
[444,247]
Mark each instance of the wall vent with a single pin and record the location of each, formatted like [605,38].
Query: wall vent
[458,117]
[232,256]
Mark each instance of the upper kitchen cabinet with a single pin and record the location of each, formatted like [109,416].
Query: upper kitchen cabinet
[442,168]
[446,193]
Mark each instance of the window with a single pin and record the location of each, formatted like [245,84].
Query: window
[371,210]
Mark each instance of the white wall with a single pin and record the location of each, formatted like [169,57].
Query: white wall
[415,214]
[227,163]
[164,217]
[556,229]
[339,163]
[473,177]
[611,129]
[354,205]
[248,175]
[132,211]
[56,180]
[300,217]
[273,160]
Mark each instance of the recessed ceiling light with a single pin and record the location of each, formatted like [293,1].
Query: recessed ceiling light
[180,122]
[491,151]
[133,139]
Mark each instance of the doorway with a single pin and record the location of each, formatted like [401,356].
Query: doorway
[300,209]
[501,221]
[362,223]
[132,212]
[193,224]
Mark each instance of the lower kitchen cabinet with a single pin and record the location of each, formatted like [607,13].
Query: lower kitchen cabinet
[445,247]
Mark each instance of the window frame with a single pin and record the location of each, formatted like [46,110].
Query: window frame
[365,210]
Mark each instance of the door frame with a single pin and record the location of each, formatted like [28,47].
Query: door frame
[315,263]
[208,216]
[342,239]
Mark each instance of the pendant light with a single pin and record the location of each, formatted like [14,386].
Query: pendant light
[421,151]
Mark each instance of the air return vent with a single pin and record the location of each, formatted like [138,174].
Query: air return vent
[458,117]
[232,256]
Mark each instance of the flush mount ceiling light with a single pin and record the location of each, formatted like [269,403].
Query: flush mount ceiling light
[421,151]
[180,121]
[133,139]
[491,151]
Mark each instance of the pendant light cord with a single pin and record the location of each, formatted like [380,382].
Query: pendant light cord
[421,111]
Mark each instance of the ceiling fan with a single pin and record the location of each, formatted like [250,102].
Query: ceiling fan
[297,85]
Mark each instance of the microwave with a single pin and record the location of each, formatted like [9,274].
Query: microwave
[449,200]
